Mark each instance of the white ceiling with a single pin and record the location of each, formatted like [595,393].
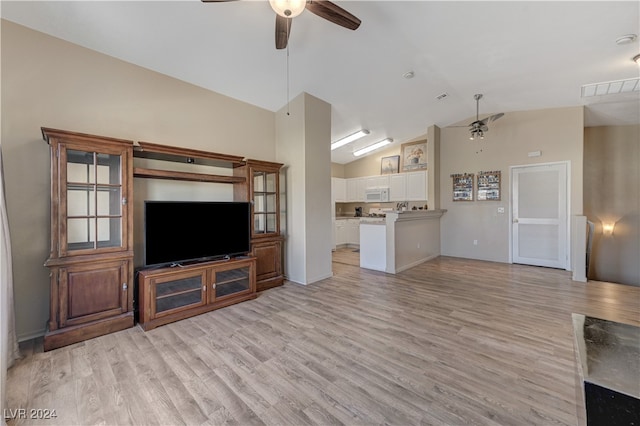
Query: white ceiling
[520,55]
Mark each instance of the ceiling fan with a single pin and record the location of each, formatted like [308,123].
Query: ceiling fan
[478,127]
[286,10]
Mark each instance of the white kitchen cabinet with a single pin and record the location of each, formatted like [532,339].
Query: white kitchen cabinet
[376,181]
[355,189]
[339,190]
[347,232]
[416,185]
[353,231]
[341,233]
[398,187]
[333,233]
[409,186]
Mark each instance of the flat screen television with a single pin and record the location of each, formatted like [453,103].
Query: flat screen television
[177,232]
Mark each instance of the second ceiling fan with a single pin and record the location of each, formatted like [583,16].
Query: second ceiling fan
[478,127]
[286,10]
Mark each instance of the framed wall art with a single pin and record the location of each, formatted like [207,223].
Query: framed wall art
[390,165]
[414,156]
[489,186]
[462,186]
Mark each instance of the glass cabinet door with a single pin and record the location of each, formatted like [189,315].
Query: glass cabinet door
[94,198]
[265,208]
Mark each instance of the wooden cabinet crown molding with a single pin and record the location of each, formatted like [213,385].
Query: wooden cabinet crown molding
[48,134]
[186,155]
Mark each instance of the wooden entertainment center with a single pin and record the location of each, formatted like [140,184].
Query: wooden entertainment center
[91,257]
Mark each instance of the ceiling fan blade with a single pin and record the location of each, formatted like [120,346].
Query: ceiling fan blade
[494,117]
[283,29]
[491,118]
[333,13]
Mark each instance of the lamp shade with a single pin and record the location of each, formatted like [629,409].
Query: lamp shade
[288,8]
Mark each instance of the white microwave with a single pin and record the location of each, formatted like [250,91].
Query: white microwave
[376,195]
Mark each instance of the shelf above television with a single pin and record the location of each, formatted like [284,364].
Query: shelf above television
[154,151]
[185,176]
[185,155]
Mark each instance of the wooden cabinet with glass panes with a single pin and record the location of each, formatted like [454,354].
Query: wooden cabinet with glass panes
[262,188]
[91,256]
[168,295]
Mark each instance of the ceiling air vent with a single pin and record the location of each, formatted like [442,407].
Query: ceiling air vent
[441,96]
[611,87]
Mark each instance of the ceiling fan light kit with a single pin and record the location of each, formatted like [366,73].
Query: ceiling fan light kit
[288,8]
[478,127]
[476,133]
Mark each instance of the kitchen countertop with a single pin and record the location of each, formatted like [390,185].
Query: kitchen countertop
[608,371]
[359,217]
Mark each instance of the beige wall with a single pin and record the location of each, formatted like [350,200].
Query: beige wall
[337,170]
[52,83]
[557,133]
[612,195]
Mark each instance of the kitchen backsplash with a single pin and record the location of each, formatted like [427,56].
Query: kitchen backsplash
[349,209]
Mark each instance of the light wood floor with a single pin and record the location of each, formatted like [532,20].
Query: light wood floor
[449,342]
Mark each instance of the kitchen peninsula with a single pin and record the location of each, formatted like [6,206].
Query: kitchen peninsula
[401,240]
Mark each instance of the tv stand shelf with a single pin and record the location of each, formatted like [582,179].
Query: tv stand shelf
[174,293]
[185,155]
[186,176]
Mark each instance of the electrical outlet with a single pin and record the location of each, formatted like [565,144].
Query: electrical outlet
[475,242]
[418,245]
[500,209]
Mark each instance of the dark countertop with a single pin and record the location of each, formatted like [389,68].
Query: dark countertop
[609,353]
[608,371]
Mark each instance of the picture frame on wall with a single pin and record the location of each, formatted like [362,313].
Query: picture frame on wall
[414,156]
[489,186]
[389,165]
[462,186]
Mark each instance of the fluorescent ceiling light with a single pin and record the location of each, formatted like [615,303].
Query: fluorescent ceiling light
[372,147]
[348,139]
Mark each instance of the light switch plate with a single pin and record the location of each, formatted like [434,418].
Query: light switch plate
[500,209]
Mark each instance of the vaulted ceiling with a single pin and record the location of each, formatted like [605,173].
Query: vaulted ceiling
[520,55]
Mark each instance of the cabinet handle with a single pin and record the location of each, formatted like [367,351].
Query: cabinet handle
[124,286]
[204,288]
[124,201]
[213,286]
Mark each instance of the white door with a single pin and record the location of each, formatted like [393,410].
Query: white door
[540,219]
